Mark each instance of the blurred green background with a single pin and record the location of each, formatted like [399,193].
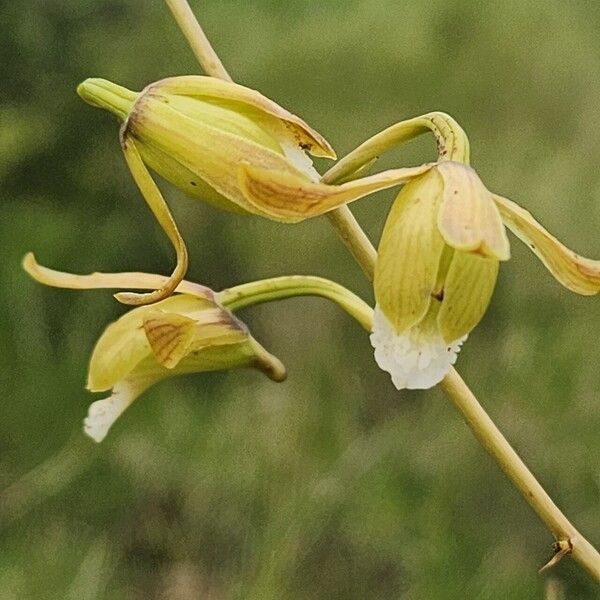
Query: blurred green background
[330,485]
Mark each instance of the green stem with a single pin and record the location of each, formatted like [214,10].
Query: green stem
[498,447]
[355,239]
[279,288]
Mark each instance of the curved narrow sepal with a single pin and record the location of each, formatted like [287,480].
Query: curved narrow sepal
[467,293]
[211,87]
[577,273]
[409,253]
[290,198]
[158,206]
[469,219]
[452,144]
[95,281]
[169,336]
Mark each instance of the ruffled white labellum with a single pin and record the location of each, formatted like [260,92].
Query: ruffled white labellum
[418,358]
[102,414]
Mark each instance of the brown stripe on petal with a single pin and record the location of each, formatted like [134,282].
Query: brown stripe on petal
[169,336]
[287,197]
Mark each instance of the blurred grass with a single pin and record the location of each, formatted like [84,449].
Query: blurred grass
[329,485]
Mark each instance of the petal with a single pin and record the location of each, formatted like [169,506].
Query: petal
[169,336]
[186,180]
[134,280]
[289,198]
[211,87]
[124,344]
[417,359]
[409,253]
[469,219]
[103,413]
[577,273]
[173,335]
[159,208]
[247,353]
[467,293]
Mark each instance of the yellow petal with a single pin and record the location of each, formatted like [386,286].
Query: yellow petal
[159,208]
[124,344]
[133,280]
[211,87]
[469,219]
[409,253]
[467,293]
[118,351]
[289,198]
[577,273]
[169,336]
[185,179]
[245,353]
[172,335]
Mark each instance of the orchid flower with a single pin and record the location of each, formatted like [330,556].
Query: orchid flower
[192,331]
[439,254]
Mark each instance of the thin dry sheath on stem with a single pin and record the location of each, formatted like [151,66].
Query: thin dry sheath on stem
[453,385]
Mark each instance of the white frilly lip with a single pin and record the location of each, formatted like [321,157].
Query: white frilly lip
[102,414]
[417,359]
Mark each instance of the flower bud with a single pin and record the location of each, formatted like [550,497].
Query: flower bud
[196,131]
[190,332]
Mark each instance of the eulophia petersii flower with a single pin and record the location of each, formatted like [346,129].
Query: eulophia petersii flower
[437,266]
[189,332]
[439,254]
[192,331]
[200,133]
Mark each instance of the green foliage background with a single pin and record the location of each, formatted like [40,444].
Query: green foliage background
[330,485]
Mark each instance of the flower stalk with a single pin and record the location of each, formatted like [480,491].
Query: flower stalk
[365,254]
[289,286]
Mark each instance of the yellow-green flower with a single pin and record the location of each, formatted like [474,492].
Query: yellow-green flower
[437,266]
[190,332]
[440,250]
[187,333]
[207,136]
[436,269]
